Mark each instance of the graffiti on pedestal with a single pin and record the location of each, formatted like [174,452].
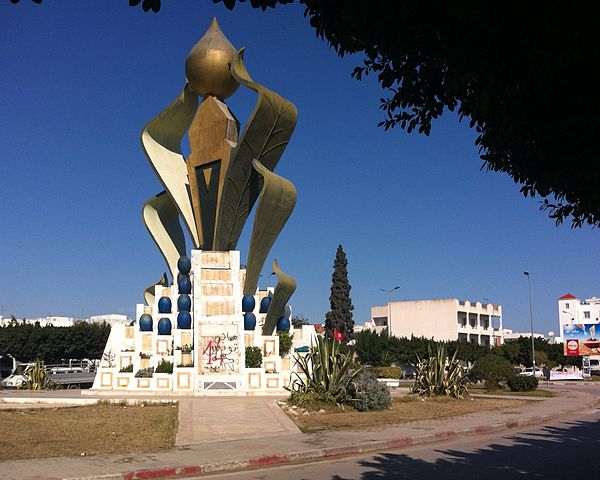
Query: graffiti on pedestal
[221,352]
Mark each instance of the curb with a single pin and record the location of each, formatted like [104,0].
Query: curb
[331,452]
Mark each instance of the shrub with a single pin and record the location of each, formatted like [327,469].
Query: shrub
[492,369]
[127,369]
[38,378]
[326,372]
[145,373]
[370,394]
[285,342]
[522,383]
[311,399]
[164,367]
[386,372]
[253,357]
[433,377]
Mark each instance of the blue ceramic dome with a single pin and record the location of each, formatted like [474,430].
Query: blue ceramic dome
[184,264]
[184,320]
[184,284]
[184,303]
[164,305]
[283,324]
[264,305]
[164,326]
[249,321]
[248,303]
[145,323]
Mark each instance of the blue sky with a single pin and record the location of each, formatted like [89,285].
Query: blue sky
[78,83]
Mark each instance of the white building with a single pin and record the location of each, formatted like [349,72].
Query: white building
[58,321]
[572,310]
[449,319]
[110,318]
[509,335]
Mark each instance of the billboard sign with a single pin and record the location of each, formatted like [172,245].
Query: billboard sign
[581,339]
[570,375]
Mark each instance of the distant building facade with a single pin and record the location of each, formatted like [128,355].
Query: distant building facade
[573,310]
[510,336]
[58,321]
[449,319]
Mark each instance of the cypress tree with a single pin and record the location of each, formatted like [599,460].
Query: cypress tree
[340,314]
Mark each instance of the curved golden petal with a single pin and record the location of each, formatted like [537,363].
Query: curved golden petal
[161,142]
[275,204]
[149,295]
[285,288]
[264,138]
[161,218]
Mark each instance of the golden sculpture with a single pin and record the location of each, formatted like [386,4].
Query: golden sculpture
[216,187]
[207,65]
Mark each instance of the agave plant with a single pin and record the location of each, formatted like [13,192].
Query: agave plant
[434,377]
[38,378]
[325,373]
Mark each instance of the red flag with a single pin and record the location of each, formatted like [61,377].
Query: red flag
[339,336]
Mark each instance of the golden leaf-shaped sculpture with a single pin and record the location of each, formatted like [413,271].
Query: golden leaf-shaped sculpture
[149,295]
[275,204]
[264,138]
[285,288]
[161,218]
[161,142]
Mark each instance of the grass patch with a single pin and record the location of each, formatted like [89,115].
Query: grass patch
[403,409]
[90,430]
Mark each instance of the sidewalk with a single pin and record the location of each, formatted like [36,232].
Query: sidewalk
[279,441]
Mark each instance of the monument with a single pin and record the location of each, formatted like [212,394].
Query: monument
[191,334]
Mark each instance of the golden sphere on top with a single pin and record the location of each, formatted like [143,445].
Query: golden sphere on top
[207,65]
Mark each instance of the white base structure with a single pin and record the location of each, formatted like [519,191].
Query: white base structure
[208,358]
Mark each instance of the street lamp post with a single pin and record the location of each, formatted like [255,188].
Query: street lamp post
[389,306]
[266,277]
[531,320]
[390,289]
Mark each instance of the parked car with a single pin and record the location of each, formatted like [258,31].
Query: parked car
[528,372]
[407,371]
[78,374]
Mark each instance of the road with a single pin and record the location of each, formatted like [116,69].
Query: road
[568,450]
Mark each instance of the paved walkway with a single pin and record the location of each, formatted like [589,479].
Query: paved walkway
[221,419]
[207,440]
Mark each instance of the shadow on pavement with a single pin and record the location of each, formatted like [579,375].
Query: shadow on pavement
[562,452]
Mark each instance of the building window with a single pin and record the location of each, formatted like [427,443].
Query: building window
[586,314]
[566,305]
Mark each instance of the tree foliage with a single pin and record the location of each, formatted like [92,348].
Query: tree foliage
[380,350]
[492,369]
[340,313]
[299,320]
[520,72]
[27,342]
